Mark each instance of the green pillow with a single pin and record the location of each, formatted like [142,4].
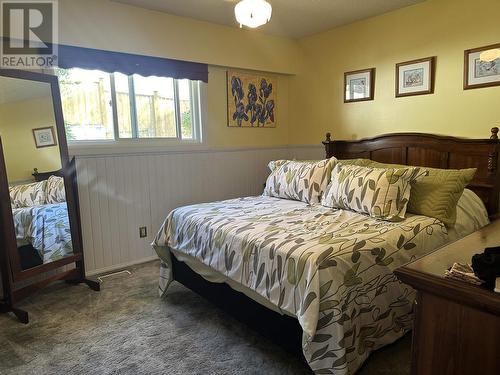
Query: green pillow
[437,194]
[358,162]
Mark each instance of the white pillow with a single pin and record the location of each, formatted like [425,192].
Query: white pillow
[28,195]
[56,193]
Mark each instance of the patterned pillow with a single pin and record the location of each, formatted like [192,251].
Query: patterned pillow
[273,164]
[438,193]
[299,180]
[28,195]
[55,190]
[378,192]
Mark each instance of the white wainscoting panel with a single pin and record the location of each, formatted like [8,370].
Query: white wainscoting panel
[120,193]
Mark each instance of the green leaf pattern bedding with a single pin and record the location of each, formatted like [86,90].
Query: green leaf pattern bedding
[46,227]
[331,268]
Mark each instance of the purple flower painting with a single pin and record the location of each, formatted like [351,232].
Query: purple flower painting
[251,100]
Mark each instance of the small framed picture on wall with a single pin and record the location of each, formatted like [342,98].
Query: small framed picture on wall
[44,137]
[359,85]
[415,77]
[482,67]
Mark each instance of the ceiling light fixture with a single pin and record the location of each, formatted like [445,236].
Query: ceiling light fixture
[490,55]
[253,13]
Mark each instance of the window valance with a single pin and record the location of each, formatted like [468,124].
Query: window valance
[126,63]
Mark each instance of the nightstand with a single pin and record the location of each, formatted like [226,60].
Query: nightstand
[457,325]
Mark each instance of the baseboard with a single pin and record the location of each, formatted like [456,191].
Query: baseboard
[120,266]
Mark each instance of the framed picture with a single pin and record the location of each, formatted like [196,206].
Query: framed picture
[415,77]
[251,100]
[359,85]
[44,137]
[482,67]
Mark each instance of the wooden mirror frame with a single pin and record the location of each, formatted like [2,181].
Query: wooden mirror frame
[12,273]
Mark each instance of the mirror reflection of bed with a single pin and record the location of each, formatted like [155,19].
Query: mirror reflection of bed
[33,164]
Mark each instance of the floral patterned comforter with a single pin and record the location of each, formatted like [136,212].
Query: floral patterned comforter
[331,268]
[46,227]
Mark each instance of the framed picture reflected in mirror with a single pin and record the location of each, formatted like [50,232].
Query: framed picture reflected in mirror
[44,137]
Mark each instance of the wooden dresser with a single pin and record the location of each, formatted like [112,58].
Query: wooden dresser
[457,325]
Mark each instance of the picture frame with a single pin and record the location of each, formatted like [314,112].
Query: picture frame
[415,77]
[252,100]
[479,74]
[45,137]
[359,85]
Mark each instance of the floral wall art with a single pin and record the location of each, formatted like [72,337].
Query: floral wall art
[251,100]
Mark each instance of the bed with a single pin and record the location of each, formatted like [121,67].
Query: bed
[324,276]
[41,221]
[45,228]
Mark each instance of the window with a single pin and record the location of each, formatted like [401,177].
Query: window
[101,106]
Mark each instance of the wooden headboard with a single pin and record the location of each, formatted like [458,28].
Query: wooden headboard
[433,151]
[41,176]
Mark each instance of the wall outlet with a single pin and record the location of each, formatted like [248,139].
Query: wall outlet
[143,232]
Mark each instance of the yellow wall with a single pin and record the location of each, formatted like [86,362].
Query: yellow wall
[17,119]
[442,28]
[112,26]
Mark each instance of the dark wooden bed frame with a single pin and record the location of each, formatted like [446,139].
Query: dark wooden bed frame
[42,176]
[433,151]
[403,148]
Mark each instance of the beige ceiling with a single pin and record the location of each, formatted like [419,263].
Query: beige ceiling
[291,18]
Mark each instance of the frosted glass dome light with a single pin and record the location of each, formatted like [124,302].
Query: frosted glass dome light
[253,13]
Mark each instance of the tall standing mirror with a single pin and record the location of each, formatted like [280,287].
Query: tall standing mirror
[38,200]
[40,224]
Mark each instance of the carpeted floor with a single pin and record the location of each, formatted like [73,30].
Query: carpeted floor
[127,329]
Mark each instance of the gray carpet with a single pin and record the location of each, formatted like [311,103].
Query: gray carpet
[127,329]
